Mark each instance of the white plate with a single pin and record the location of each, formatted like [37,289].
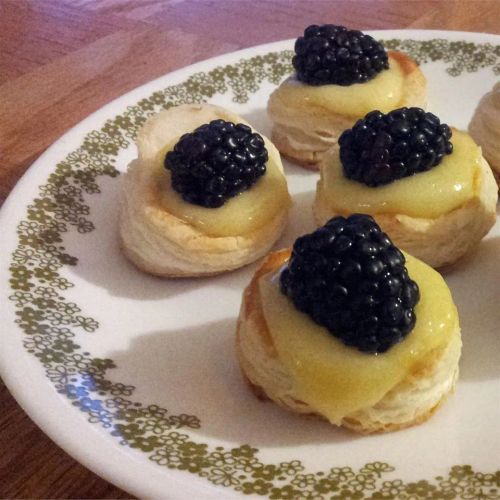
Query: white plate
[95,351]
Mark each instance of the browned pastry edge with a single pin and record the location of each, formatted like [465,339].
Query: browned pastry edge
[497,177]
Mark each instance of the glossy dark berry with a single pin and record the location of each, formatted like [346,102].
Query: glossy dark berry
[351,279]
[333,54]
[382,148]
[216,162]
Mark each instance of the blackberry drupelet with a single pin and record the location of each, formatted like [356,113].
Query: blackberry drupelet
[350,278]
[217,161]
[380,148]
[333,54]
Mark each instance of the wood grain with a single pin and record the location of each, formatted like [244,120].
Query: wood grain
[60,60]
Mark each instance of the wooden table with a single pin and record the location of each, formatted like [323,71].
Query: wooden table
[60,60]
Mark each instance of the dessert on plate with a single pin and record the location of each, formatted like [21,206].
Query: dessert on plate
[340,75]
[485,128]
[427,185]
[206,194]
[347,327]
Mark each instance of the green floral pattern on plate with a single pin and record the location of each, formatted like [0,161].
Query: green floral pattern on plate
[458,56]
[50,321]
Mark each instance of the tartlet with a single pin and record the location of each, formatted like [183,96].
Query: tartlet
[286,356]
[438,214]
[165,235]
[308,118]
[485,128]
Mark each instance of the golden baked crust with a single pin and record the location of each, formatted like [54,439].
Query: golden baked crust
[440,241]
[162,244]
[303,133]
[410,402]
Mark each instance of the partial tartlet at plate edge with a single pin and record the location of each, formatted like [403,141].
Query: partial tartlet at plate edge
[484,127]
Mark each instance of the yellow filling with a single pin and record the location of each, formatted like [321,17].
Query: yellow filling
[240,215]
[428,194]
[384,92]
[337,380]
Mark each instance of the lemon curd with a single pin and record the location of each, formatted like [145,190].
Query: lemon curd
[384,92]
[429,194]
[337,380]
[239,215]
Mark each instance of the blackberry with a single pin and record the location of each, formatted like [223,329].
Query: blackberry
[334,54]
[216,162]
[382,148]
[350,278]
